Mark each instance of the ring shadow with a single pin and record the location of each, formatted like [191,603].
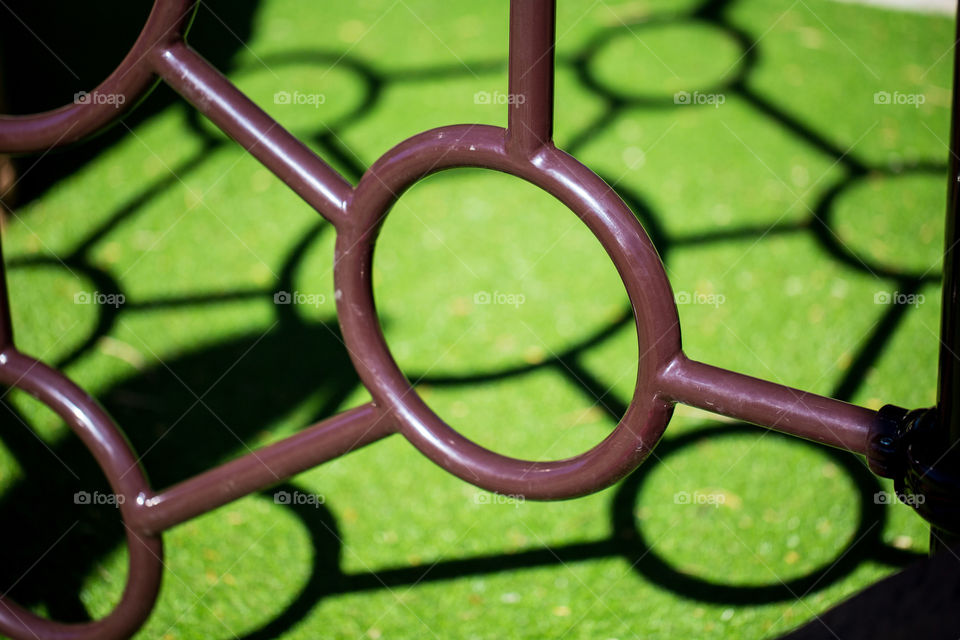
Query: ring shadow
[271,376]
[157,406]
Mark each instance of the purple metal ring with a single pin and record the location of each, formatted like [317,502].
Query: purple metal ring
[121,467]
[132,79]
[624,239]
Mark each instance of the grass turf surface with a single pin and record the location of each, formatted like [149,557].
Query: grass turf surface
[730,193]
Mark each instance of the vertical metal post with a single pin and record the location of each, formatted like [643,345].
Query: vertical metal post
[948,386]
[530,98]
[948,392]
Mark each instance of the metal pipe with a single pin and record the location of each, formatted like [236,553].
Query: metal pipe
[947,424]
[530,93]
[778,407]
[328,439]
[203,86]
[948,387]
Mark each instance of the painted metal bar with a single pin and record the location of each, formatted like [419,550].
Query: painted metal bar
[119,463]
[791,411]
[948,387]
[328,439]
[530,98]
[203,86]
[947,424]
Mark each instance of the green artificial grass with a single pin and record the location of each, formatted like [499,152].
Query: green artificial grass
[731,194]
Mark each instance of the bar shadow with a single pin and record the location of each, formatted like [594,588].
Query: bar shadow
[182,414]
[271,374]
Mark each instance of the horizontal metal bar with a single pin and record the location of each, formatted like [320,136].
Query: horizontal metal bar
[778,407]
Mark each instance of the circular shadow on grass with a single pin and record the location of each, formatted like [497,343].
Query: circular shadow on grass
[823,227]
[643,557]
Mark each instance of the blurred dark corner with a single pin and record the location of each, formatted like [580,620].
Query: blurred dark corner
[922,601]
[52,49]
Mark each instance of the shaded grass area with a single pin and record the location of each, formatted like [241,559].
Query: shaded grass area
[786,214]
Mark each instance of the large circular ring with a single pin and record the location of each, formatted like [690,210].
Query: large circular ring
[120,465]
[620,234]
[168,22]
